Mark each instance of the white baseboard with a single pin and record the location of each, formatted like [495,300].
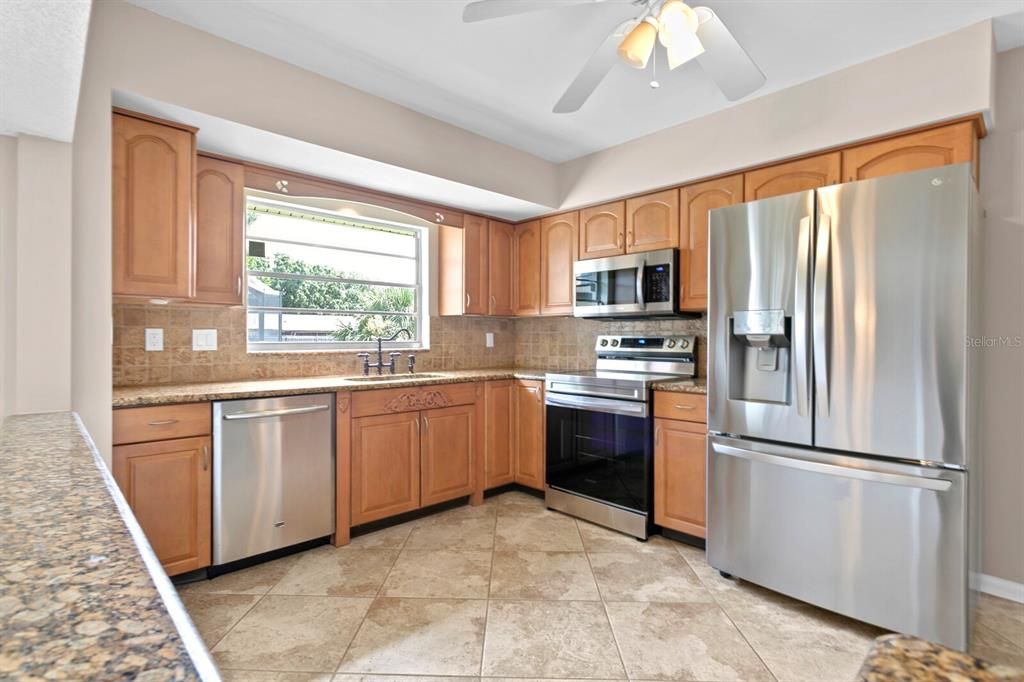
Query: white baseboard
[998,587]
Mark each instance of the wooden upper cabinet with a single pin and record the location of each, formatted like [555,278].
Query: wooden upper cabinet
[168,486]
[152,208]
[793,176]
[955,143]
[603,230]
[220,217]
[652,221]
[526,269]
[695,202]
[474,254]
[680,477]
[528,441]
[499,268]
[558,238]
[499,462]
[447,453]
[385,466]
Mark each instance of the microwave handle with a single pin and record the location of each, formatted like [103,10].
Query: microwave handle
[640,283]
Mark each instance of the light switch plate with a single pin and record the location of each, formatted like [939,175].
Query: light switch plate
[489,339]
[204,339]
[154,339]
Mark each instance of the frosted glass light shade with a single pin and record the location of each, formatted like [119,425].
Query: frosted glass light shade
[674,19]
[682,49]
[637,46]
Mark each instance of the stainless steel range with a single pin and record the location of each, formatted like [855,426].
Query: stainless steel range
[600,430]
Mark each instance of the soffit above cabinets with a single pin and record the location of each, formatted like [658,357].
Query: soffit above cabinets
[501,78]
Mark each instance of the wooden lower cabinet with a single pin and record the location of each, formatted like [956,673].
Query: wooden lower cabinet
[447,453]
[499,459]
[385,466]
[528,436]
[168,487]
[680,476]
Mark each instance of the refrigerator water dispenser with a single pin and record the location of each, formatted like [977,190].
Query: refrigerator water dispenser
[759,356]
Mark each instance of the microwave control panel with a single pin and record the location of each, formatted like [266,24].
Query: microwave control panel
[658,284]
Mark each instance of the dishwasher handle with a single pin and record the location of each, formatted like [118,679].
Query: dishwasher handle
[276,413]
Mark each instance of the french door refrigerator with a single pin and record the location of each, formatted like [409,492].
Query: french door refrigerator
[842,465]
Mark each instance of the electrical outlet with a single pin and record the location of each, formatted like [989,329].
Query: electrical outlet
[154,339]
[489,339]
[204,339]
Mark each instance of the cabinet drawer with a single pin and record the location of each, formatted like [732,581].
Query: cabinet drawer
[162,422]
[691,407]
[392,400]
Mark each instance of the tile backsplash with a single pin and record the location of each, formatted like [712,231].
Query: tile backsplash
[455,343]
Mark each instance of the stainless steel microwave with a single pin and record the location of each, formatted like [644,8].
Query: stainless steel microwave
[634,285]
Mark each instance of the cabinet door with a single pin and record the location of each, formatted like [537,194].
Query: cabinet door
[152,202]
[652,221]
[499,268]
[385,466]
[168,486]
[794,176]
[528,409]
[474,265]
[558,236]
[930,148]
[695,202]
[603,230]
[499,463]
[220,215]
[447,453]
[680,479]
[526,266]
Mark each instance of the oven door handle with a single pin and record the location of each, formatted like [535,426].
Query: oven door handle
[626,408]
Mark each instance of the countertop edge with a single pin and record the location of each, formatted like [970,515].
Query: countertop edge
[197,651]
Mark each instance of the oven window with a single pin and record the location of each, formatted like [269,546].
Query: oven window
[612,287]
[603,456]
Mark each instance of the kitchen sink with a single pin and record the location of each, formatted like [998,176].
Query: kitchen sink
[394,377]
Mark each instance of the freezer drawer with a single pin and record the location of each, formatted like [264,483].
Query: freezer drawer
[877,541]
[273,475]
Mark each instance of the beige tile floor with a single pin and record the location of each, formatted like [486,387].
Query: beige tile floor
[511,590]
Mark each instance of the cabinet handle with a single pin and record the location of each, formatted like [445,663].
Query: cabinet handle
[685,407]
[206,457]
[657,437]
[163,422]
[426,423]
[417,424]
[238,292]
[468,299]
[494,302]
[618,240]
[632,238]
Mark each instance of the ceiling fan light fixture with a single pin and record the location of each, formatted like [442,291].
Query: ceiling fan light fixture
[676,18]
[682,49]
[635,49]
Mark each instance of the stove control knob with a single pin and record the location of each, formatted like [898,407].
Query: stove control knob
[684,344]
[615,342]
[671,343]
[604,342]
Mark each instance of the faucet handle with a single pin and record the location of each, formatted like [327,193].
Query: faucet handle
[394,354]
[412,363]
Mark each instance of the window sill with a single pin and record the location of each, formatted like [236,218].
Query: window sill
[334,351]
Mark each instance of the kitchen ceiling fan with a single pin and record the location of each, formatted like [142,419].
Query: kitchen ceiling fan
[685,32]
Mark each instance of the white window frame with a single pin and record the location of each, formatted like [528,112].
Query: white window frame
[421,339]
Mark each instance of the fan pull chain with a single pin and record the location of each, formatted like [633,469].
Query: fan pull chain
[654,69]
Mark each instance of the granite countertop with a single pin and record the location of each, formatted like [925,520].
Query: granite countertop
[683,386]
[82,594]
[901,657]
[166,394]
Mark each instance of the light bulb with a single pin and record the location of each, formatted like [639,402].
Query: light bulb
[636,47]
[675,18]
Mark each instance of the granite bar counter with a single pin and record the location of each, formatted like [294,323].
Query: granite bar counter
[82,595]
[901,657]
[699,386]
[167,394]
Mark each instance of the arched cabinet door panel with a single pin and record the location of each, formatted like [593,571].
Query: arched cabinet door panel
[558,236]
[695,202]
[793,176]
[220,215]
[950,144]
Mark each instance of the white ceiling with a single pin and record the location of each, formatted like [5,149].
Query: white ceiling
[501,78]
[42,50]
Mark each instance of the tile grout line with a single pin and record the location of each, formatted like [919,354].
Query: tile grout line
[490,578]
[604,604]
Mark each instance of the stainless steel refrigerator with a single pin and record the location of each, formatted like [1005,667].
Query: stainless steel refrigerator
[842,464]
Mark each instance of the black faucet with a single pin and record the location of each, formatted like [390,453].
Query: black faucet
[390,364]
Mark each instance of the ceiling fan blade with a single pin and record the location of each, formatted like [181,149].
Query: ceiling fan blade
[724,58]
[593,72]
[482,10]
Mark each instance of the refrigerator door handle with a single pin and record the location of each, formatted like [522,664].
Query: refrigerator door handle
[800,353]
[822,271]
[938,484]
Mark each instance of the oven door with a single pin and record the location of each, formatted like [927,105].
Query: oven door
[632,285]
[600,449]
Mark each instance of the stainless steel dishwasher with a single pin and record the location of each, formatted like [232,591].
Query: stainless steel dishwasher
[273,474]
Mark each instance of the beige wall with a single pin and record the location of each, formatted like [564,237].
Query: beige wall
[8,245]
[940,79]
[1002,365]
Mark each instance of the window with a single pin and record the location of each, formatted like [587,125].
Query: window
[319,280]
